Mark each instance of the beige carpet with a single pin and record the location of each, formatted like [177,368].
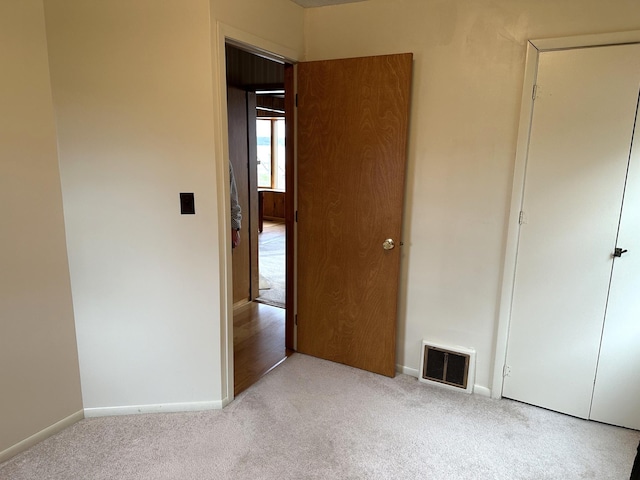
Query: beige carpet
[311,419]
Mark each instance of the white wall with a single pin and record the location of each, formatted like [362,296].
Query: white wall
[39,378]
[277,22]
[468,72]
[136,99]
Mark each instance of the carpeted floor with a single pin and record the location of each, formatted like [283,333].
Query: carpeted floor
[312,419]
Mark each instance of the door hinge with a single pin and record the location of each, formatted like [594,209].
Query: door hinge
[295,319]
[506,371]
[534,94]
[296,216]
[296,99]
[521,218]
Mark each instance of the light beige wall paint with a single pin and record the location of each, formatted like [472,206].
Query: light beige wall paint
[277,21]
[132,92]
[468,72]
[137,101]
[39,378]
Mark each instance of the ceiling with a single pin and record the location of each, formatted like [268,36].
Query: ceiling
[322,3]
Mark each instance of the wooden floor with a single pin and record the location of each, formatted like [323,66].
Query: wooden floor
[258,342]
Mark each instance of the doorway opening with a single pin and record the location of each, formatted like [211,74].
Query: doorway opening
[258,154]
[271,182]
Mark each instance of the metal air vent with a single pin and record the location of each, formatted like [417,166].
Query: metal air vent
[447,366]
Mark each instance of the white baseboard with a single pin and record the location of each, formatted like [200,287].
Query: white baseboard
[41,435]
[407,371]
[482,391]
[414,372]
[153,408]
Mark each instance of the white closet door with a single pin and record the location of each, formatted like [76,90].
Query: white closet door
[579,147]
[616,396]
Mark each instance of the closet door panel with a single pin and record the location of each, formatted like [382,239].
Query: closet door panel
[616,396]
[580,134]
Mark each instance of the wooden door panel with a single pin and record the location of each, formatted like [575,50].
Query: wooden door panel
[352,133]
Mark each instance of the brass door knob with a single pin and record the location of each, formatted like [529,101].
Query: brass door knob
[388,244]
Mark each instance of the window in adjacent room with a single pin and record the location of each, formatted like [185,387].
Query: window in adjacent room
[270,134]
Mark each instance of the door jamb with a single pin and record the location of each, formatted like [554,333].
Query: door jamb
[534,48]
[225,33]
[290,205]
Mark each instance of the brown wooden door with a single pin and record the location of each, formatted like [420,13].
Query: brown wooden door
[352,136]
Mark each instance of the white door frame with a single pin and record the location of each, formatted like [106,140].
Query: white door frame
[534,48]
[225,33]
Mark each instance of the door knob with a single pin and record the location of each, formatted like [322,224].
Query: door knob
[388,244]
[618,252]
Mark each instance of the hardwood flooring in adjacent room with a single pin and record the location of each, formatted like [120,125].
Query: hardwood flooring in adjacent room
[258,342]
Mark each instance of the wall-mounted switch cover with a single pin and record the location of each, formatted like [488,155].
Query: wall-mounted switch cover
[187,204]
